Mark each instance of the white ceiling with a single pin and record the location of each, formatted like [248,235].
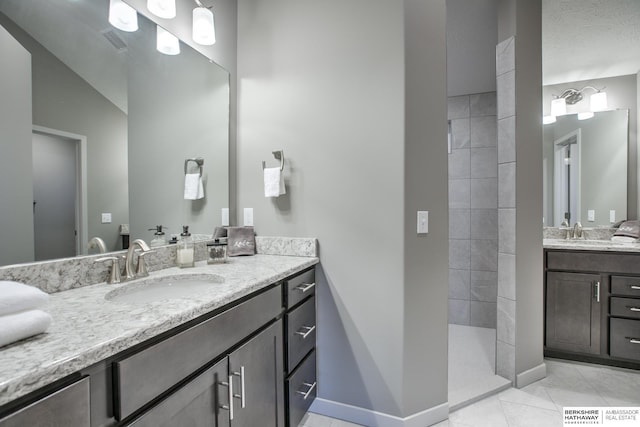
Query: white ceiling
[588,39]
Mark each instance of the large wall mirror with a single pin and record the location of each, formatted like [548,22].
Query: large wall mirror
[585,169]
[119,118]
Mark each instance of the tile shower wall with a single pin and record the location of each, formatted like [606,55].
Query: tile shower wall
[473,210]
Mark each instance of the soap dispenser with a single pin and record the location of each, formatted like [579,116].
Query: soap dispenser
[186,251]
[158,237]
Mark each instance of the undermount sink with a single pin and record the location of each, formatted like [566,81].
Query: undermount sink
[163,288]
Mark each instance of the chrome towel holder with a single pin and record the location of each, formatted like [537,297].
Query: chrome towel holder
[198,160]
[278,154]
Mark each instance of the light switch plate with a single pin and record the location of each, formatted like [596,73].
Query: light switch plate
[612,216]
[225,217]
[423,222]
[591,215]
[106,218]
[248,217]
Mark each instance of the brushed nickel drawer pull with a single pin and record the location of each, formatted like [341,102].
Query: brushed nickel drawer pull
[635,287]
[308,329]
[230,406]
[634,340]
[306,394]
[305,287]
[597,292]
[242,394]
[633,308]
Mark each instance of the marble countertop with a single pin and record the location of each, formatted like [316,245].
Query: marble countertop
[590,245]
[88,328]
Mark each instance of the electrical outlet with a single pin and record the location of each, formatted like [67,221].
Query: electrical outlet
[423,222]
[248,217]
[591,215]
[612,216]
[106,218]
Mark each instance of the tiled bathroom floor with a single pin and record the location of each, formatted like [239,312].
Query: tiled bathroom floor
[539,404]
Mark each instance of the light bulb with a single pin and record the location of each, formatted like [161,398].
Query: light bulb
[558,107]
[204,31]
[122,16]
[166,42]
[599,101]
[162,8]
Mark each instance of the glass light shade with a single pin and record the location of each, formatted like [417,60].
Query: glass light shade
[162,8]
[599,101]
[547,120]
[558,107]
[166,42]
[585,115]
[122,16]
[204,31]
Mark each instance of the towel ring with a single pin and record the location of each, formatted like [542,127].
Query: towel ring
[278,154]
[198,160]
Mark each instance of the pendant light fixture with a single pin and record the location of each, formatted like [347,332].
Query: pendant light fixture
[162,8]
[166,42]
[203,27]
[122,16]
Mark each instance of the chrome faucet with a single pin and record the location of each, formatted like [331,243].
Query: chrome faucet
[97,242]
[577,230]
[128,264]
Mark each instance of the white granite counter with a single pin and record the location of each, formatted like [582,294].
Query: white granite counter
[88,328]
[590,245]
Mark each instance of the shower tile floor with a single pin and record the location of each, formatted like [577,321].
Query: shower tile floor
[472,356]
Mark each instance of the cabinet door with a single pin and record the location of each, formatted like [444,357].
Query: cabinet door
[256,369]
[197,404]
[573,312]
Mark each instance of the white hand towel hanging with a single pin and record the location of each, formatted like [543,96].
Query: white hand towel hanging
[193,188]
[273,182]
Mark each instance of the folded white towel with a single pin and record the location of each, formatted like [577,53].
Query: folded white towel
[15,297]
[18,326]
[273,182]
[193,188]
[623,239]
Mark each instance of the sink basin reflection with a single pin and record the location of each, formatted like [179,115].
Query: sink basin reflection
[163,288]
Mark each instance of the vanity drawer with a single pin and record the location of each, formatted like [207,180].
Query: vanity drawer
[301,332]
[625,307]
[300,287]
[592,261]
[68,407]
[625,285]
[302,389]
[138,379]
[625,338]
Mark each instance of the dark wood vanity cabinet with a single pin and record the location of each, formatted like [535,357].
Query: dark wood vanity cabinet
[249,364]
[300,355]
[592,306]
[573,312]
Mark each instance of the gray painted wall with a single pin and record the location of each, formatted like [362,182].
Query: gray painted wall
[528,186]
[16,185]
[333,97]
[64,101]
[424,369]
[472,35]
[621,94]
[165,92]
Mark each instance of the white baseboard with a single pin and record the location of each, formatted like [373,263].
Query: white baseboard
[371,418]
[532,375]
